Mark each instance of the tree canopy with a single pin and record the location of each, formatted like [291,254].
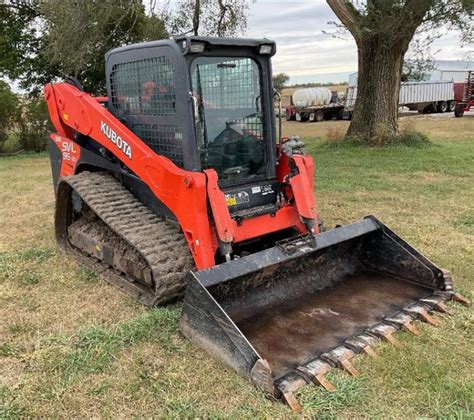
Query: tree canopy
[210,17]
[41,41]
[279,81]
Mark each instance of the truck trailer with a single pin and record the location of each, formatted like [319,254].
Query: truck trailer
[314,104]
[424,97]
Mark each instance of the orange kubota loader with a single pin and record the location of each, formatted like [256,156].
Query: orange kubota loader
[175,184]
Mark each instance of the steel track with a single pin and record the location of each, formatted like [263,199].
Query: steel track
[161,244]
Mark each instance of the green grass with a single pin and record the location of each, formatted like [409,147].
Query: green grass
[94,348]
[72,346]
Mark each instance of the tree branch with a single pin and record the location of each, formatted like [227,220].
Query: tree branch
[348,15]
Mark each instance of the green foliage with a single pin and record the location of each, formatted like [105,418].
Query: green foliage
[209,17]
[21,46]
[9,110]
[41,41]
[102,26]
[34,125]
[279,81]
[11,143]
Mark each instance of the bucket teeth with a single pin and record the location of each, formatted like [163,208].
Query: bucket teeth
[442,307]
[340,357]
[399,320]
[385,332]
[421,312]
[370,352]
[426,317]
[392,340]
[293,403]
[349,368]
[322,380]
[411,328]
[361,345]
[318,379]
[437,303]
[404,321]
[457,297]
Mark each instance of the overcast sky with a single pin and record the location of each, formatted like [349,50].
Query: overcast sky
[309,55]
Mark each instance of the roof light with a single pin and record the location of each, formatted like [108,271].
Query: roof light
[197,48]
[265,49]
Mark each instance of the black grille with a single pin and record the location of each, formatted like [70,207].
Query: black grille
[165,140]
[144,87]
[143,92]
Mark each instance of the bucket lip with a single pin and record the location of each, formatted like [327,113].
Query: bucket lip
[275,255]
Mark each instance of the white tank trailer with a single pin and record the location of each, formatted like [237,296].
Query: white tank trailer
[316,104]
[312,97]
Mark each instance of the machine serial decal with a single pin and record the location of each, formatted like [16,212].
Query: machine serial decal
[116,139]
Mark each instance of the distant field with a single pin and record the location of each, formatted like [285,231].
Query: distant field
[73,346]
[437,126]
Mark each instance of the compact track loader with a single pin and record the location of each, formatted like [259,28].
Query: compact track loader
[177,179]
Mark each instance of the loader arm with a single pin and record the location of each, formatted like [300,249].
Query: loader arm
[185,193]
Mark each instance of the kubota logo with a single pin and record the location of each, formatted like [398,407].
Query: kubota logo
[115,139]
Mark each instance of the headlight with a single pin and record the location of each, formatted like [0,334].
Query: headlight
[197,48]
[265,49]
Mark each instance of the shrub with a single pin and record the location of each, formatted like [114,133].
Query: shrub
[35,125]
[9,111]
[12,142]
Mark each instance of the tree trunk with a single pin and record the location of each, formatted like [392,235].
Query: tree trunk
[196,17]
[382,30]
[378,85]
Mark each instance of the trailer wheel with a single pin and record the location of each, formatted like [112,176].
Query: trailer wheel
[319,116]
[458,111]
[442,106]
[451,106]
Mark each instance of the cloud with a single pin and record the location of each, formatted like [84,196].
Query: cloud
[306,52]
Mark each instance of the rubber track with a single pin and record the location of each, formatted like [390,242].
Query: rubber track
[161,244]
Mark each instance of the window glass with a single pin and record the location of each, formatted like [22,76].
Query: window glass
[228,116]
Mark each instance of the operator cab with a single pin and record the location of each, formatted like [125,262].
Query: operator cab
[205,103]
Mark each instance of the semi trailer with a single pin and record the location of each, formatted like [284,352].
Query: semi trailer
[424,97]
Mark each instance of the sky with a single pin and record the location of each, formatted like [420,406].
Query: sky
[306,53]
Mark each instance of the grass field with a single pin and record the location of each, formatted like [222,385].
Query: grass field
[73,346]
